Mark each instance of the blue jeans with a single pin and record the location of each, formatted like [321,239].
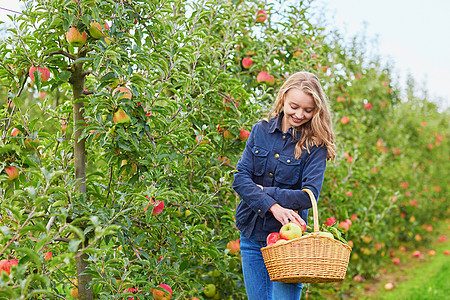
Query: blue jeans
[256,278]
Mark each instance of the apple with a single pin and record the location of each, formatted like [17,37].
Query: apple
[121,117]
[95,30]
[124,92]
[75,38]
[210,290]
[15,132]
[5,265]
[247,62]
[442,238]
[396,260]
[201,139]
[290,231]
[265,77]
[47,255]
[234,246]
[224,159]
[330,221]
[431,253]
[261,16]
[12,172]
[345,226]
[358,278]
[345,120]
[417,237]
[368,106]
[165,294]
[301,223]
[244,134]
[389,286]
[446,252]
[157,206]
[354,217]
[272,238]
[326,234]
[227,134]
[416,253]
[45,73]
[281,242]
[74,293]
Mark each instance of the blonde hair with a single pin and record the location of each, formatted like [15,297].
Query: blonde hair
[319,130]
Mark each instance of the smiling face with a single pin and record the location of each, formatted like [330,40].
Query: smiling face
[298,108]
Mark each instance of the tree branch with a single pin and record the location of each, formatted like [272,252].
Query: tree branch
[64,53]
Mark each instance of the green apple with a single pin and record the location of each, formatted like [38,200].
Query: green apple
[290,231]
[326,234]
[210,290]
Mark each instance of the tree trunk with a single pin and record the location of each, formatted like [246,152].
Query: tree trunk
[77,80]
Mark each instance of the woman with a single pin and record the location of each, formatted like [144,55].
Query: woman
[284,154]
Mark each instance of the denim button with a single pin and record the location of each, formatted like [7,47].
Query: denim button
[277,156]
[270,175]
[259,211]
[288,161]
[256,151]
[284,137]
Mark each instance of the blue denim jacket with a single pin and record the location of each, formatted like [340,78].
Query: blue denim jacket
[269,160]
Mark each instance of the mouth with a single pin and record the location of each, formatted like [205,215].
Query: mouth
[295,120]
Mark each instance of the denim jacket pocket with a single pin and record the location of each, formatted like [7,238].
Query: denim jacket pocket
[288,170]
[259,160]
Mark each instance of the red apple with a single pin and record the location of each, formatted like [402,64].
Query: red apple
[265,77]
[5,265]
[261,16]
[272,238]
[247,62]
[157,206]
[45,73]
[330,221]
[290,231]
[15,132]
[396,260]
[121,117]
[234,246]
[389,286]
[75,38]
[345,226]
[354,217]
[164,294]
[442,238]
[47,255]
[345,120]
[244,134]
[201,139]
[446,252]
[368,106]
[12,172]
[416,253]
[124,92]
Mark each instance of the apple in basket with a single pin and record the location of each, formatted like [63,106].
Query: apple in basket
[326,234]
[272,238]
[302,224]
[291,231]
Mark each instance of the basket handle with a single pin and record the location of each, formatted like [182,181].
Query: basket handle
[314,206]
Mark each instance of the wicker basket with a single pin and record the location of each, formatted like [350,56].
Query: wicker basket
[311,258]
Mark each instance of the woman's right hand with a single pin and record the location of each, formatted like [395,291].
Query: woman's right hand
[284,215]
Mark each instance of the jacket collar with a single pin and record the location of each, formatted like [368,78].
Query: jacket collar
[275,124]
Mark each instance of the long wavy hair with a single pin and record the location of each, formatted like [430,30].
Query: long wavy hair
[317,131]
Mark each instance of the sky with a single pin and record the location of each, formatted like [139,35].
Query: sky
[412,35]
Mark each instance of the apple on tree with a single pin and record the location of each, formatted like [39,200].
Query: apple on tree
[124,92]
[95,30]
[157,206]
[247,62]
[261,16]
[210,290]
[12,172]
[75,38]
[164,292]
[244,134]
[44,71]
[121,117]
[265,77]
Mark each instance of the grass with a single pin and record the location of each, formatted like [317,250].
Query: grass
[427,280]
